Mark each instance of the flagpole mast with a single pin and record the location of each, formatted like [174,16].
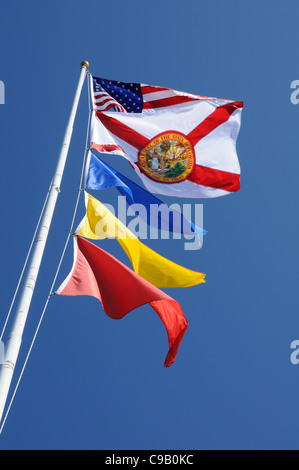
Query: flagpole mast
[13,344]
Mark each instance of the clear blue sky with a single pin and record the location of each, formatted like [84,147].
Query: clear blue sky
[95,383]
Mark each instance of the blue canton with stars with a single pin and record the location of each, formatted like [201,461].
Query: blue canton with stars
[129,95]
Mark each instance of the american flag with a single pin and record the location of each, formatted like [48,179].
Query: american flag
[110,95]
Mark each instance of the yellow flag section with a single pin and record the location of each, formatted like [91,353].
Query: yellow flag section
[100,223]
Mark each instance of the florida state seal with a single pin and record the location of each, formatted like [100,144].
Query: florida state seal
[168,158]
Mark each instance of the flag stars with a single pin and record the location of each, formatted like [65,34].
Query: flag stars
[128,95]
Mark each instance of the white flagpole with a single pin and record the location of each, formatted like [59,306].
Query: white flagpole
[13,344]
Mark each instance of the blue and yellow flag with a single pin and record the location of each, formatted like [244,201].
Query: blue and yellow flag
[103,176]
[99,223]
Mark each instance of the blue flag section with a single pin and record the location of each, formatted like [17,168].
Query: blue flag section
[102,176]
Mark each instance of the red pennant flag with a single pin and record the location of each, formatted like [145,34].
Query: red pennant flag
[120,290]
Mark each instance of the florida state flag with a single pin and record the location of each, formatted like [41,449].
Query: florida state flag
[185,150]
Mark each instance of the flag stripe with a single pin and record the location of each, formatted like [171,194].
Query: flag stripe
[172,101]
[107,104]
[113,104]
[215,178]
[211,178]
[103,102]
[99,96]
[152,89]
[124,132]
[218,117]
[105,148]
[153,92]
[154,95]
[159,95]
